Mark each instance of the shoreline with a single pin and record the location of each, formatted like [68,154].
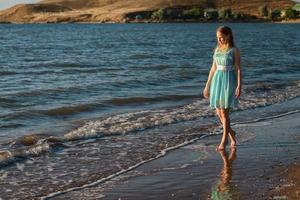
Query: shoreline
[139,120]
[197,170]
[296,21]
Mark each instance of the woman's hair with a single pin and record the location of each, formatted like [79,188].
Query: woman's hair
[225,30]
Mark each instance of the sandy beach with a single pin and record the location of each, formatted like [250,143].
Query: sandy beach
[265,165]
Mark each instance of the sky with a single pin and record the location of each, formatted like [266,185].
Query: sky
[8,3]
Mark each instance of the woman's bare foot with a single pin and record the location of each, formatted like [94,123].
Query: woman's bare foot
[232,139]
[233,145]
[221,147]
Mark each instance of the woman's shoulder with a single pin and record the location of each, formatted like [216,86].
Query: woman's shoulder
[215,50]
[236,49]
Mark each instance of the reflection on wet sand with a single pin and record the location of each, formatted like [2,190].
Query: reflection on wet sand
[224,189]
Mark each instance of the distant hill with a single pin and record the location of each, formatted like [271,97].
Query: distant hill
[59,11]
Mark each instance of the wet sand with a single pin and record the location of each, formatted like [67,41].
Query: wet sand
[290,189]
[265,165]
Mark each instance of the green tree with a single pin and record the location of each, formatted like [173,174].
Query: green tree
[291,14]
[275,14]
[158,15]
[138,17]
[172,13]
[297,7]
[211,14]
[237,15]
[263,11]
[225,13]
[194,13]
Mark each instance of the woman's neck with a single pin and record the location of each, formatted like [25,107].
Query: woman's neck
[224,47]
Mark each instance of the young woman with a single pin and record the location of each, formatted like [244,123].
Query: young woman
[223,87]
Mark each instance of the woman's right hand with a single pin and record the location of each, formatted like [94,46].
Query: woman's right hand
[206,93]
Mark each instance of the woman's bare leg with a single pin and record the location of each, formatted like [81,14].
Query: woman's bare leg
[231,132]
[224,117]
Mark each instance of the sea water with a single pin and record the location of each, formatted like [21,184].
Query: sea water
[82,102]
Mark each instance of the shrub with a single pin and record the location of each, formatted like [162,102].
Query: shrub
[168,14]
[296,7]
[225,13]
[290,14]
[158,15]
[275,14]
[263,11]
[194,13]
[172,14]
[138,17]
[211,14]
[237,16]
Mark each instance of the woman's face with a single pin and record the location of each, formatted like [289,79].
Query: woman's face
[222,39]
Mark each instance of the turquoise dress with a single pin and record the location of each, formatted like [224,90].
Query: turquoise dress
[224,81]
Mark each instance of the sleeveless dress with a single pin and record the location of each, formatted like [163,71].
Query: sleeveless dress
[224,81]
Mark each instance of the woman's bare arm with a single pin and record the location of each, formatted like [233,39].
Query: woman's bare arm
[211,73]
[238,71]
[207,85]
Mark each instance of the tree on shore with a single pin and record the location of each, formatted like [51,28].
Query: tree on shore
[158,15]
[263,11]
[290,14]
[225,13]
[296,7]
[194,13]
[211,14]
[274,14]
[237,16]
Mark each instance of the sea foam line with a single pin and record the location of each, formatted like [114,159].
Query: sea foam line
[141,120]
[163,153]
[265,118]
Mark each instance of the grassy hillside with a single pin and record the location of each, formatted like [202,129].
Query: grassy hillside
[56,11]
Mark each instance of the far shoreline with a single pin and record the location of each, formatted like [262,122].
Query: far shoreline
[296,21]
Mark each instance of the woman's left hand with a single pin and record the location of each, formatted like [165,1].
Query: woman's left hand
[206,93]
[237,92]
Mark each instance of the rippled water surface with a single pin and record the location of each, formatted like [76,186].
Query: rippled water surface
[114,95]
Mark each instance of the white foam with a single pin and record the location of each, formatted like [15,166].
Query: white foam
[137,121]
[5,157]
[163,153]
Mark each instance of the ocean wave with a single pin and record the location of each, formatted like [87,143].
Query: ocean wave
[139,100]
[42,68]
[120,124]
[7,73]
[141,56]
[60,65]
[52,112]
[73,109]
[159,67]
[38,148]
[128,122]
[60,70]
[91,70]
[10,126]
[162,153]
[6,100]
[255,95]
[23,114]
[70,110]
